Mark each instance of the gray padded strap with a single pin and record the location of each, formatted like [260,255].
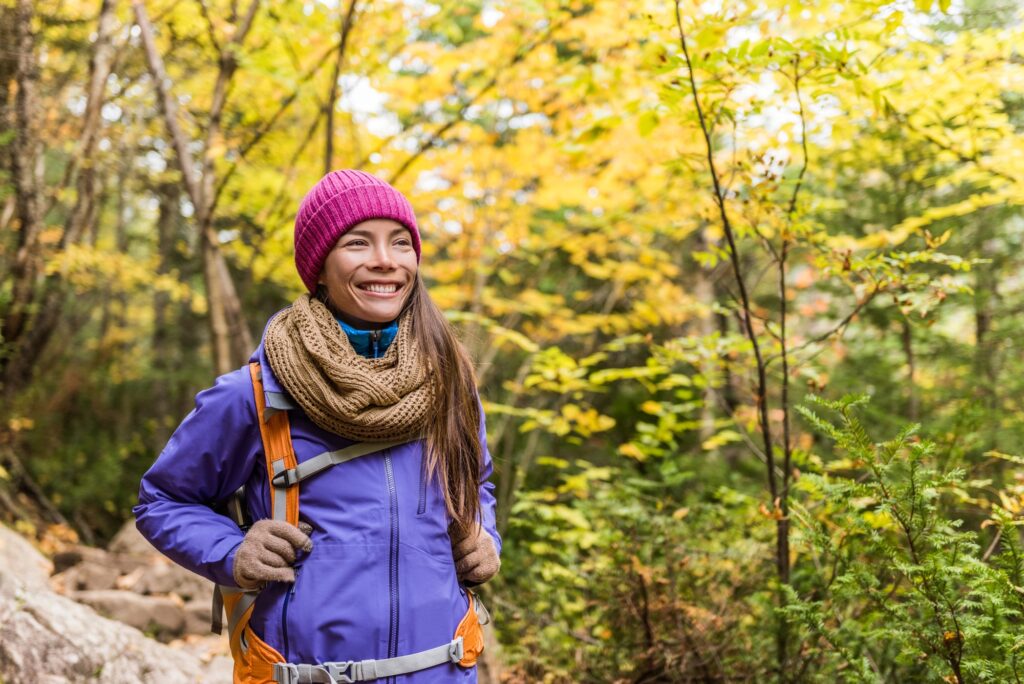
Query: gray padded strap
[280,401]
[287,478]
[275,402]
[248,598]
[368,670]
[280,494]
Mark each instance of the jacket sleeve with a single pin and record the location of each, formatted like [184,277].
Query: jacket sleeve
[210,455]
[488,503]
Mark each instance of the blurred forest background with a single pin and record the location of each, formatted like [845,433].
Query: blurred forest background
[743,283]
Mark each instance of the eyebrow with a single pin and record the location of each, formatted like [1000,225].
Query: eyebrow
[367,233]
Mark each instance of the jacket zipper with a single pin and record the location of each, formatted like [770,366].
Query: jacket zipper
[421,507]
[374,341]
[284,613]
[393,575]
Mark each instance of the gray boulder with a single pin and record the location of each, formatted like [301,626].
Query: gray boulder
[45,637]
[160,616]
[129,542]
[197,616]
[20,563]
[87,575]
[161,576]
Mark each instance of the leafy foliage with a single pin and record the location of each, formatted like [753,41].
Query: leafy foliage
[906,593]
[591,196]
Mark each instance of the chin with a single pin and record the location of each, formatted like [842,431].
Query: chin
[381,317]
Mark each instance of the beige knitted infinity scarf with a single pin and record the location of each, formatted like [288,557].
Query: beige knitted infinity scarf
[369,400]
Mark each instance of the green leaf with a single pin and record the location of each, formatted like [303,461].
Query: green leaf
[647,122]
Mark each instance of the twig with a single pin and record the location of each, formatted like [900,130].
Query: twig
[993,546]
[210,30]
[440,131]
[838,327]
[332,95]
[787,443]
[269,124]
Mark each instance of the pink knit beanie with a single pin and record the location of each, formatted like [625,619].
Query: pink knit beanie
[338,202]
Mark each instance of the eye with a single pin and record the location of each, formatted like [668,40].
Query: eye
[405,242]
[356,242]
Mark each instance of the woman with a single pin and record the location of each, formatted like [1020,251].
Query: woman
[353,573]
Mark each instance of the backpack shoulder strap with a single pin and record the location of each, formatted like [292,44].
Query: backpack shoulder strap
[277,447]
[275,433]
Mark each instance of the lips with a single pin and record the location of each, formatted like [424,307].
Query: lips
[380,287]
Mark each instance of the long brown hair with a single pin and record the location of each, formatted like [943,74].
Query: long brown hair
[454,448]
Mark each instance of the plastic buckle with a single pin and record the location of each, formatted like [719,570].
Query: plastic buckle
[285,478]
[286,673]
[455,650]
[344,673]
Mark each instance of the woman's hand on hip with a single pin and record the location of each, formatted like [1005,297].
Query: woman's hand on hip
[268,552]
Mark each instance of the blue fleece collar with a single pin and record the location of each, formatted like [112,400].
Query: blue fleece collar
[370,343]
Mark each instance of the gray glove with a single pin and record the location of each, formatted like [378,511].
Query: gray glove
[476,557]
[268,552]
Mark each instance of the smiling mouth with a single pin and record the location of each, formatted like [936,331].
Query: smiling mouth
[380,288]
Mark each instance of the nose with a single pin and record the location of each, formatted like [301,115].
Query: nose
[382,258]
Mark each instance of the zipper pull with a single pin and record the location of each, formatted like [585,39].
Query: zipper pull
[292,590]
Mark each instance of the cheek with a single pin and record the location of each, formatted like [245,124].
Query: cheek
[337,268]
[409,263]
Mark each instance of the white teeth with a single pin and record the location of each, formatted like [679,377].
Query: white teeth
[382,289]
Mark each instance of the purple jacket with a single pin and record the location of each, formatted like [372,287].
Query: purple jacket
[380,581]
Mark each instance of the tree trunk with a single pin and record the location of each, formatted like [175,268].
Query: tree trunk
[163,344]
[37,303]
[986,294]
[24,154]
[99,71]
[8,74]
[229,332]
[704,293]
[907,338]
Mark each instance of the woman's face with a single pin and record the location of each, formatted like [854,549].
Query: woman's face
[370,272]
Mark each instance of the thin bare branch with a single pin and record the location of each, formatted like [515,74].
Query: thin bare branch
[230,333]
[243,30]
[972,158]
[211,31]
[782,560]
[167,102]
[803,139]
[787,442]
[438,134]
[269,123]
[99,69]
[289,175]
[835,329]
[332,95]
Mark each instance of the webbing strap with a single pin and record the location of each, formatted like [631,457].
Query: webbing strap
[286,478]
[367,670]
[217,610]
